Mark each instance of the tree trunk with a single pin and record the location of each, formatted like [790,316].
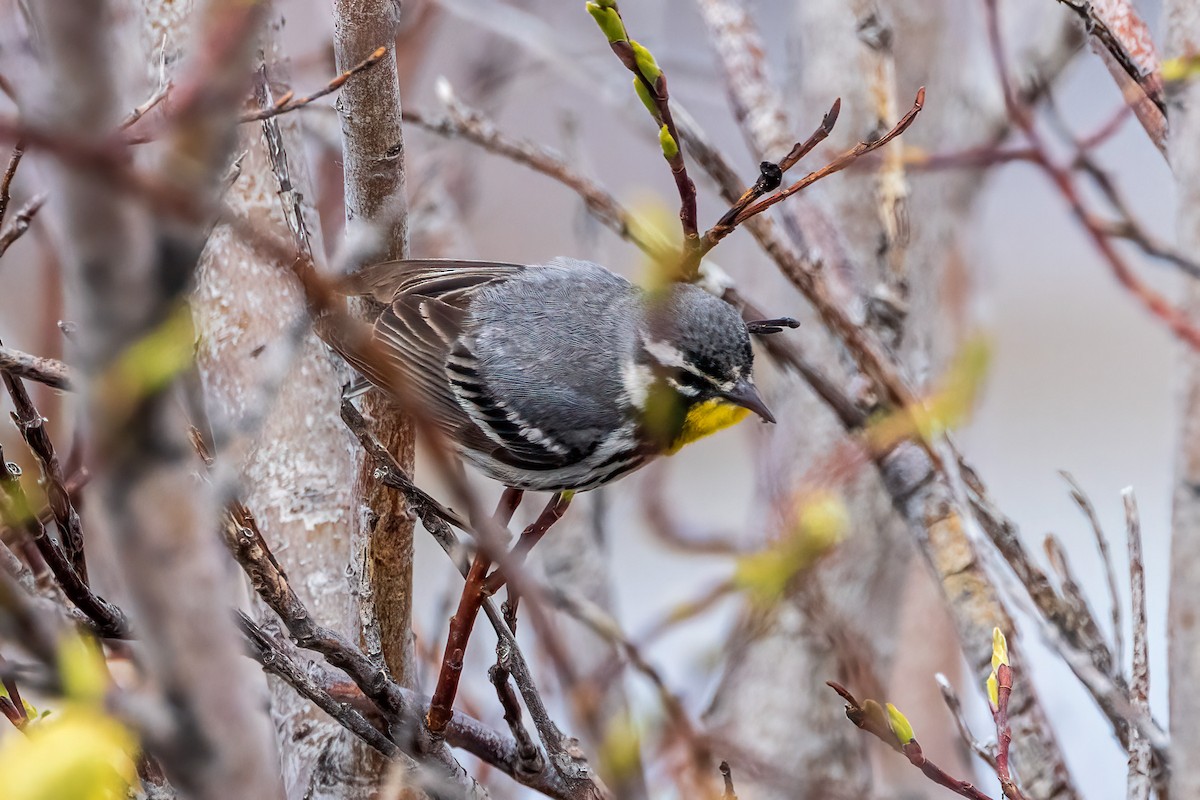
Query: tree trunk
[377,230]
[1183,631]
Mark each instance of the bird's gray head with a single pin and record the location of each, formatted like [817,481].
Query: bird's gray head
[699,346]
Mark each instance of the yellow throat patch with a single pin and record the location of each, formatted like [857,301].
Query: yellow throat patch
[708,417]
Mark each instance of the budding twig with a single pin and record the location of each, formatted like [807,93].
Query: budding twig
[870,717]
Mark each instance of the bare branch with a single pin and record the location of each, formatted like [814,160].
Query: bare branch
[268,652]
[17,512]
[6,180]
[1085,505]
[289,102]
[1139,783]
[19,224]
[48,371]
[565,759]
[719,232]
[33,430]
[986,752]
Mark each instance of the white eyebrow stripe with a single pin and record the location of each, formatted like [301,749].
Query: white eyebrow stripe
[670,356]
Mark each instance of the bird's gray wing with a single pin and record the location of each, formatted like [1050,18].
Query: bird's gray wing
[420,333]
[444,279]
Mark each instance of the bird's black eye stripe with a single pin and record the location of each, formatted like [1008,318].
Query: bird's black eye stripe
[693,381]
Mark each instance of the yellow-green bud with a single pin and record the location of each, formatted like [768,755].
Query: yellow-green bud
[999,649]
[993,690]
[645,61]
[901,727]
[647,99]
[609,20]
[670,147]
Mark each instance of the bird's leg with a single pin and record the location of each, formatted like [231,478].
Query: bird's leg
[441,706]
[551,514]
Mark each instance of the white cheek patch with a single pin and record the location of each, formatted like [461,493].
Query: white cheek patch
[687,391]
[637,379]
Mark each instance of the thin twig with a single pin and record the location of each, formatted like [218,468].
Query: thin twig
[1079,614]
[289,102]
[397,704]
[566,759]
[145,108]
[48,371]
[10,172]
[871,718]
[771,175]
[530,759]
[727,777]
[1140,779]
[950,697]
[442,706]
[32,426]
[837,164]
[1085,505]
[110,621]
[268,652]
[19,224]
[292,206]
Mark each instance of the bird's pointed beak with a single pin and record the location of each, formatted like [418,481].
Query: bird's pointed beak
[745,394]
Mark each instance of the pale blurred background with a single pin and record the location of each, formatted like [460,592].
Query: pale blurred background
[1081,378]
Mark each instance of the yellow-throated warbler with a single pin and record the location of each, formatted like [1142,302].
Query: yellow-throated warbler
[562,376]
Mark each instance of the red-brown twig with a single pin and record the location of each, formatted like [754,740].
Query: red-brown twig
[533,534]
[569,763]
[1158,305]
[837,164]
[441,708]
[480,585]
[289,102]
[871,718]
[1004,685]
[771,175]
